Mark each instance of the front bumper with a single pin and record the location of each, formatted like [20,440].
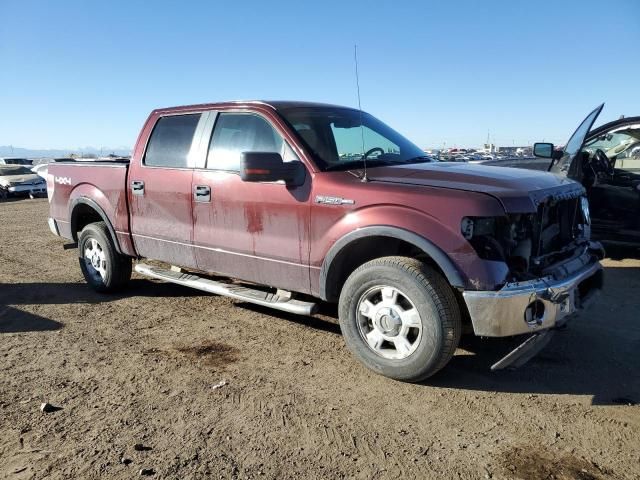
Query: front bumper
[527,307]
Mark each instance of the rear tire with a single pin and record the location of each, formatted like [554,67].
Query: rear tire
[104,269]
[400,318]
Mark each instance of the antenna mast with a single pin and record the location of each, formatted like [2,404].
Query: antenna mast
[364,158]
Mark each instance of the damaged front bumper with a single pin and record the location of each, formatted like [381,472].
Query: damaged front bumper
[528,307]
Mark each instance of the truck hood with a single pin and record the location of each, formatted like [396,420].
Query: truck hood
[519,190]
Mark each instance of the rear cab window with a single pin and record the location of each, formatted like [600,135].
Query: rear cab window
[171,140]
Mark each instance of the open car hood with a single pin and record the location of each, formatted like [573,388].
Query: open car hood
[517,189]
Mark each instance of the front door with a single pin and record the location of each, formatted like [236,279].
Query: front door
[614,193]
[160,192]
[251,231]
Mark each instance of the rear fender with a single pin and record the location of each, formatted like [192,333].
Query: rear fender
[92,197]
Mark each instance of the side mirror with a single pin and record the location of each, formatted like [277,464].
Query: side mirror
[269,167]
[546,150]
[543,150]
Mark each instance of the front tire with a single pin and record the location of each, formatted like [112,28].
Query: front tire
[400,318]
[104,269]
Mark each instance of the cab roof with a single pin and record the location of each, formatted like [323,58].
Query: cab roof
[274,104]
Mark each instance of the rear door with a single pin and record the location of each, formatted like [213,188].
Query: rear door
[252,231]
[160,190]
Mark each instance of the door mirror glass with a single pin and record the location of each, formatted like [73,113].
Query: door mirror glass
[269,167]
[543,150]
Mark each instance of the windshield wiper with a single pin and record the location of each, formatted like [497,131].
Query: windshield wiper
[420,159]
[376,163]
[346,165]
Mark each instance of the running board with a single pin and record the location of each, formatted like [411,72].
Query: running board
[237,292]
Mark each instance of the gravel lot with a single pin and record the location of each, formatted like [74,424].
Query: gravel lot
[140,368]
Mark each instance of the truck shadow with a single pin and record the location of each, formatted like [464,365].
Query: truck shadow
[597,354]
[12,295]
[13,320]
[71,293]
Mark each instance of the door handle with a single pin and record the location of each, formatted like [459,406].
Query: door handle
[137,187]
[202,193]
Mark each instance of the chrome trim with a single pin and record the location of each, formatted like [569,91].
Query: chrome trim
[501,313]
[92,164]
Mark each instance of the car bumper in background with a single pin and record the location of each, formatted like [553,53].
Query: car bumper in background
[528,307]
[34,190]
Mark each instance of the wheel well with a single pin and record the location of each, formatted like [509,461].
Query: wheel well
[86,212]
[365,249]
[82,216]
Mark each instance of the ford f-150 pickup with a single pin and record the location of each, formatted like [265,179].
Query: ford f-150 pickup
[296,203]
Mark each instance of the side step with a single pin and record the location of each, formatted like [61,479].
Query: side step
[238,292]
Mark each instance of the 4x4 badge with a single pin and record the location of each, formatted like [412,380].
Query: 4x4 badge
[324,199]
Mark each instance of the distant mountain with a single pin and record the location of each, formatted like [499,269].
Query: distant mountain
[8,151]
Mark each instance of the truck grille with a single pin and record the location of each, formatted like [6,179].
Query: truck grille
[558,225]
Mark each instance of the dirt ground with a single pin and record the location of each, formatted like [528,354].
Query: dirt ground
[141,368]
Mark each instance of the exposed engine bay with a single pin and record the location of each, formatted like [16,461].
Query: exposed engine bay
[533,245]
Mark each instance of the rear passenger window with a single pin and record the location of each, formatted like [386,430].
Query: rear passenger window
[170,141]
[236,133]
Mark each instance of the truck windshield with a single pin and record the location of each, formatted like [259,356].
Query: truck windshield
[343,138]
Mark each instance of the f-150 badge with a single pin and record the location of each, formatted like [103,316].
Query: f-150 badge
[327,200]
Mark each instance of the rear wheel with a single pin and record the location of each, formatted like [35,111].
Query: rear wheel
[104,269]
[400,318]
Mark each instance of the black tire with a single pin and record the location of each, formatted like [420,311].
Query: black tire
[429,294]
[116,268]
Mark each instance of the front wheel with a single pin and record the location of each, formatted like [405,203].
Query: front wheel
[104,269]
[400,318]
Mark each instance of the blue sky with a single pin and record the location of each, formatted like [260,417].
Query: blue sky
[83,73]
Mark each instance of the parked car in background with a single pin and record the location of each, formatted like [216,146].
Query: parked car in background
[302,203]
[15,161]
[20,180]
[606,161]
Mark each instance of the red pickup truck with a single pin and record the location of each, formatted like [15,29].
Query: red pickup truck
[298,202]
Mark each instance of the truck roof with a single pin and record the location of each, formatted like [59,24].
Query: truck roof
[275,104]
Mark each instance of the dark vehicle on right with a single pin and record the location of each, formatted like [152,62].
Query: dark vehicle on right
[606,161]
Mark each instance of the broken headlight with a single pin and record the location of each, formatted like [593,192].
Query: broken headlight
[482,233]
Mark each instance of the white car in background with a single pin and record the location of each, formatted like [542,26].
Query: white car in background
[20,180]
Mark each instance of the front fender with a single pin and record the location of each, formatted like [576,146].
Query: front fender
[447,247]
